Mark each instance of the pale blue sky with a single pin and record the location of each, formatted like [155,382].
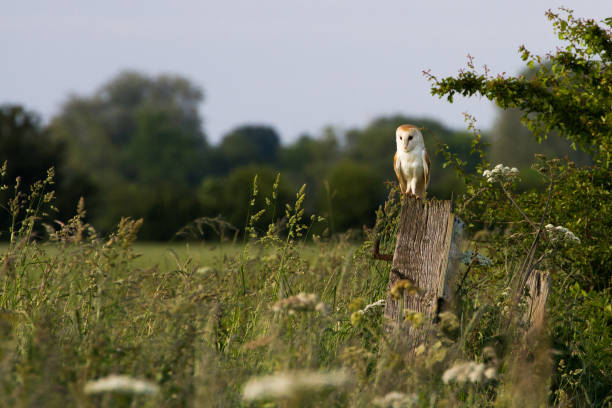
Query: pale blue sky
[297,66]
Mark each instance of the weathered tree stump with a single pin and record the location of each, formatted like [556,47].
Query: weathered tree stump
[427,253]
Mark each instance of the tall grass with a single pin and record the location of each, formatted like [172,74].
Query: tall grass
[288,319]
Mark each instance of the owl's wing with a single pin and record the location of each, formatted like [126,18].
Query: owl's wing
[397,173]
[426,167]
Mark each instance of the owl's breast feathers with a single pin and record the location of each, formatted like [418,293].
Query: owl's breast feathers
[409,166]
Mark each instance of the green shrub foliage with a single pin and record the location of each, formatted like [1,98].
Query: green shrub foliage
[568,91]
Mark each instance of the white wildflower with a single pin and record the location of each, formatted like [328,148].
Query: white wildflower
[290,384]
[476,374]
[500,173]
[396,399]
[470,371]
[302,302]
[561,234]
[490,373]
[122,384]
[206,270]
[322,308]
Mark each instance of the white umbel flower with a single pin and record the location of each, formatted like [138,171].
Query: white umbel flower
[396,399]
[121,384]
[470,371]
[290,384]
[561,234]
[500,173]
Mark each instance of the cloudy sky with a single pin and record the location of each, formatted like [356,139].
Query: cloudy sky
[295,65]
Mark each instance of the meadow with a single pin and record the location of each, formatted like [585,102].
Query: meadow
[281,317]
[291,312]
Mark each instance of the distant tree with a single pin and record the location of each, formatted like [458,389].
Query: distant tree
[99,130]
[308,161]
[136,133]
[514,144]
[352,193]
[30,151]
[308,151]
[26,145]
[163,151]
[249,144]
[230,196]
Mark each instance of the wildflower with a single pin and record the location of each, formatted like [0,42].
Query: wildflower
[357,317]
[490,373]
[122,384]
[322,308]
[290,384]
[396,399]
[302,302]
[470,371]
[206,270]
[404,285]
[490,356]
[500,173]
[420,349]
[416,318]
[356,304]
[561,234]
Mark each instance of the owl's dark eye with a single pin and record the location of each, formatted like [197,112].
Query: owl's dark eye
[410,138]
[401,138]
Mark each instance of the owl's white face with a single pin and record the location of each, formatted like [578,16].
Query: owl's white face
[407,138]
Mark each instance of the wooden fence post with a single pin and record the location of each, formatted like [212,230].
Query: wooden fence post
[427,253]
[535,312]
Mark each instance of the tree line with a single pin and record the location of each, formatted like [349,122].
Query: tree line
[136,147]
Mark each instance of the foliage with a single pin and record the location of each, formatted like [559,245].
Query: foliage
[228,196]
[98,128]
[248,145]
[569,92]
[513,144]
[162,151]
[134,133]
[350,193]
[570,89]
[30,151]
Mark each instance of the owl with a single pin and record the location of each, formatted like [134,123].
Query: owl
[411,162]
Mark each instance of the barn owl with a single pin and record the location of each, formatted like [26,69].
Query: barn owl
[411,162]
